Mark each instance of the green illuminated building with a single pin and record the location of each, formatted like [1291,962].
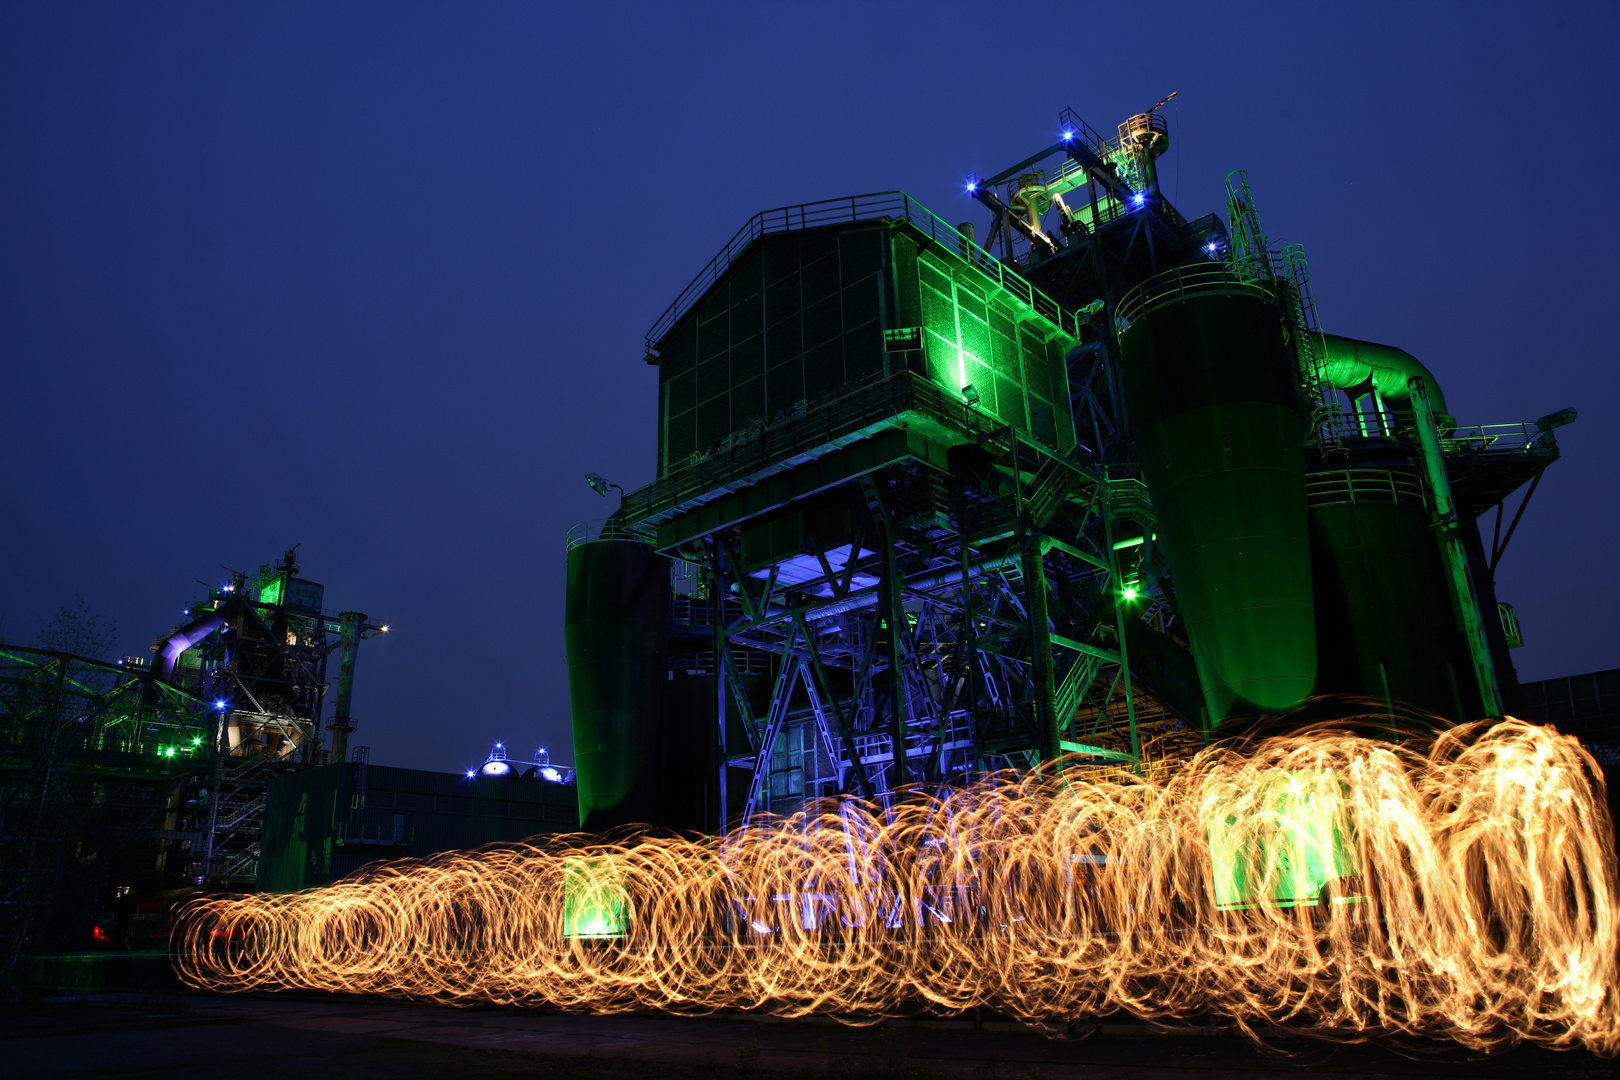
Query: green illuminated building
[1099,486]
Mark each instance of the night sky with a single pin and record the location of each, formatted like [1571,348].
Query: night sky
[374,278]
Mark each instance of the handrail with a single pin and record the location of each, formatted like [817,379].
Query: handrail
[613,528]
[1495,439]
[1198,279]
[1498,438]
[880,206]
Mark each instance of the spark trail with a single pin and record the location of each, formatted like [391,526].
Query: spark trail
[1461,885]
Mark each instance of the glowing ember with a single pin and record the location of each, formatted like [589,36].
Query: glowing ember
[1462,886]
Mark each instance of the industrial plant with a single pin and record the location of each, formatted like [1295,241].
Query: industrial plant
[1090,481]
[215,765]
[1022,609]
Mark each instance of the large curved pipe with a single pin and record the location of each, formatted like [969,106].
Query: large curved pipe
[1349,363]
[199,628]
[181,640]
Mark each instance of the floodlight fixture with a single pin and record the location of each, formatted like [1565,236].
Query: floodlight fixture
[600,485]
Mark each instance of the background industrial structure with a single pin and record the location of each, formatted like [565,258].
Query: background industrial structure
[126,785]
[1097,485]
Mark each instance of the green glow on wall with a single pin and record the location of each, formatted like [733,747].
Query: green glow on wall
[593,899]
[1284,843]
[272,591]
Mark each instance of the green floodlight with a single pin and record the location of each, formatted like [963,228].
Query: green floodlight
[594,900]
[1130,592]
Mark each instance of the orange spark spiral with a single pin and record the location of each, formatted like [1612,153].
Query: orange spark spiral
[1460,885]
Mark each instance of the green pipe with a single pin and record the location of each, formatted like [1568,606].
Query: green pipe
[1349,363]
[1040,630]
[351,623]
[1451,547]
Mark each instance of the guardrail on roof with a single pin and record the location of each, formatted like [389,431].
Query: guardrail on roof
[885,205]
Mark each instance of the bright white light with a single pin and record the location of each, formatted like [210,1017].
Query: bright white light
[1139,200]
[385,629]
[971,187]
[1067,135]
[220,705]
[552,775]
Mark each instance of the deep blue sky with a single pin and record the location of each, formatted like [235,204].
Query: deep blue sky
[373,278]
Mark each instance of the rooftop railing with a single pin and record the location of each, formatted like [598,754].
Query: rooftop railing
[882,206]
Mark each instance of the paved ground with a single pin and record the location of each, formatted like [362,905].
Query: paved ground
[305,1037]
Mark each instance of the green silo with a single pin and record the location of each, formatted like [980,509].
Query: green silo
[1384,614]
[1214,395]
[616,631]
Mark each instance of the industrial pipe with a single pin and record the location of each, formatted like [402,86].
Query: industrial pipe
[1451,547]
[1348,363]
[182,639]
[1040,642]
[351,623]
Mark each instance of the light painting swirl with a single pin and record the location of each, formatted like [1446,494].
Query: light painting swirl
[1461,885]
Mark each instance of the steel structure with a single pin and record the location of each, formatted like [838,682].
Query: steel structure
[1095,488]
[95,763]
[256,651]
[148,775]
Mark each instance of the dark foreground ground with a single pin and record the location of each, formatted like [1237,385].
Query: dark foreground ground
[306,1037]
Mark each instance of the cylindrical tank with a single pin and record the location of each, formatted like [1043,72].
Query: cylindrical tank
[616,631]
[1214,396]
[1384,619]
